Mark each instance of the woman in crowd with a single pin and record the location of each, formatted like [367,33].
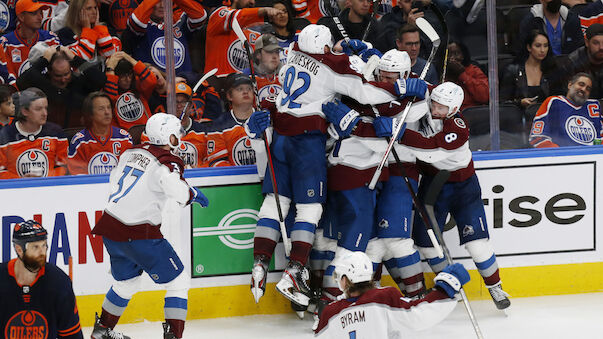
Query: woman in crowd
[283,27]
[83,33]
[526,81]
[462,71]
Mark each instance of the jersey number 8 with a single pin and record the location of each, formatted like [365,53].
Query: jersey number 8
[291,94]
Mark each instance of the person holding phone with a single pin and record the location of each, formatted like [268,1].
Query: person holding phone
[464,72]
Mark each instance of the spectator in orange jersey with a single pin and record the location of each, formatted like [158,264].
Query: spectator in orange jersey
[84,34]
[130,84]
[97,148]
[223,50]
[312,10]
[266,59]
[229,130]
[32,147]
[7,107]
[116,14]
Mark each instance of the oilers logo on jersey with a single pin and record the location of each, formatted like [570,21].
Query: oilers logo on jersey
[188,153]
[158,52]
[243,153]
[102,163]
[269,91]
[237,56]
[26,324]
[4,16]
[580,130]
[33,161]
[129,107]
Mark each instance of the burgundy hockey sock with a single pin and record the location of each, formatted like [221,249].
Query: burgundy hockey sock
[300,251]
[493,279]
[176,326]
[108,320]
[263,246]
[414,285]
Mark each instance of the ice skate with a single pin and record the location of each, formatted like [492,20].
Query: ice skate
[102,332]
[300,310]
[499,296]
[258,277]
[167,334]
[294,284]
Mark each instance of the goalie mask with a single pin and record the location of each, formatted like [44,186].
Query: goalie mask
[447,94]
[313,39]
[356,266]
[394,61]
[161,126]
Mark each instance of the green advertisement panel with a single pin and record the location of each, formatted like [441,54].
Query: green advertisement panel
[222,234]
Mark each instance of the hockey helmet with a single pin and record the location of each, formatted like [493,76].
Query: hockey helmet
[313,39]
[448,94]
[356,266]
[161,126]
[394,61]
[28,231]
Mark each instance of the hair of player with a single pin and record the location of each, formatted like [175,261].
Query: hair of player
[406,28]
[72,18]
[88,106]
[578,75]
[6,92]
[360,287]
[26,97]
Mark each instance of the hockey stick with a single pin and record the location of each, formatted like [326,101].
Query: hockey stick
[430,199]
[239,32]
[203,78]
[426,28]
[368,27]
[442,21]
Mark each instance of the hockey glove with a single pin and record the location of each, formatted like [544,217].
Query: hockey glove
[384,127]
[199,197]
[411,87]
[343,118]
[353,46]
[452,278]
[368,53]
[257,123]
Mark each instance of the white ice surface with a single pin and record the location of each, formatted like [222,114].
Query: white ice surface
[576,316]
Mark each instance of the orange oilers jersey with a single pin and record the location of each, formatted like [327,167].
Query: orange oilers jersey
[312,10]
[224,51]
[206,103]
[43,154]
[10,121]
[129,108]
[89,154]
[268,86]
[119,12]
[227,137]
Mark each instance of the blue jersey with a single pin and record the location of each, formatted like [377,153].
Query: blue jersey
[559,122]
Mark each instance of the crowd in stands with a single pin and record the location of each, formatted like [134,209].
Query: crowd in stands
[82,77]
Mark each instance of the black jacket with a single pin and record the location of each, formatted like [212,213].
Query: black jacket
[578,61]
[514,84]
[354,30]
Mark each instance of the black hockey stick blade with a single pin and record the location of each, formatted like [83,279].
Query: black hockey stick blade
[435,187]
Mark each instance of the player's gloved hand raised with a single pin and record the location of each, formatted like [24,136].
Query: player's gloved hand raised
[341,116]
[411,87]
[199,197]
[353,46]
[452,278]
[368,53]
[257,123]
[385,126]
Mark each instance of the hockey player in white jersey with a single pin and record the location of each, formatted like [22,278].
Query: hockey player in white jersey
[147,181]
[443,144]
[369,312]
[313,75]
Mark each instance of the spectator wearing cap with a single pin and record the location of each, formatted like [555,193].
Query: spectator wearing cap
[267,63]
[561,26]
[96,149]
[130,85]
[54,74]
[16,44]
[587,59]
[228,129]
[32,147]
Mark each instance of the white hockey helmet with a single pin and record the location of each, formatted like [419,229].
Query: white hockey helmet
[394,61]
[313,39]
[356,266]
[161,126]
[448,94]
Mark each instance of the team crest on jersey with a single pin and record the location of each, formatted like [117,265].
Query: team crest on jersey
[468,230]
[236,56]
[188,153]
[27,324]
[384,223]
[33,161]
[243,153]
[4,16]
[460,123]
[15,55]
[580,130]
[129,107]
[267,91]
[102,163]
[158,52]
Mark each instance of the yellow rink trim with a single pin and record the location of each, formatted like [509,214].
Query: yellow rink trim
[230,301]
